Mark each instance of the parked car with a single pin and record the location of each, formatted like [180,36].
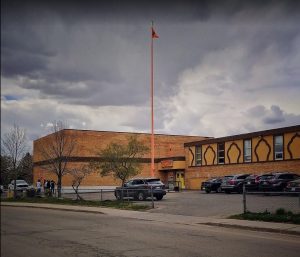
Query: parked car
[277,181]
[293,186]
[234,183]
[213,184]
[252,181]
[20,185]
[140,189]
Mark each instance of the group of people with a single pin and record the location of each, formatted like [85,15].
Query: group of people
[48,187]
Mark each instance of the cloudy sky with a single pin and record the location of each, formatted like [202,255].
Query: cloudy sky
[221,67]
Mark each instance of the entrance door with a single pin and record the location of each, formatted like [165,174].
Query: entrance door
[180,179]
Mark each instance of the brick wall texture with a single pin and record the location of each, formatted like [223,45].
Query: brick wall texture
[89,143]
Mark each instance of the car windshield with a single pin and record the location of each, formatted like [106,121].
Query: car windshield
[214,180]
[227,178]
[251,177]
[267,177]
[21,181]
[154,181]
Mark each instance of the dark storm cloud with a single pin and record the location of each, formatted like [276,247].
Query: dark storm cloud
[275,115]
[21,52]
[116,11]
[50,43]
[119,10]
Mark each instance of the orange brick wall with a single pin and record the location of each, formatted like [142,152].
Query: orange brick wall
[262,158]
[94,179]
[195,175]
[89,143]
[168,146]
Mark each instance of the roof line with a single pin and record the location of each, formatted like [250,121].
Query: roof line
[127,132]
[246,135]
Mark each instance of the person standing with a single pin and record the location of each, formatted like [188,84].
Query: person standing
[45,186]
[52,187]
[38,186]
[48,188]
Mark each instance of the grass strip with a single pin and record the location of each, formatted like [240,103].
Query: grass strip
[125,205]
[280,216]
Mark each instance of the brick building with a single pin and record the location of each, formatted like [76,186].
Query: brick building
[169,153]
[188,159]
[256,153]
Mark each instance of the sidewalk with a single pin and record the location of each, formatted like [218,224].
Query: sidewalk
[170,218]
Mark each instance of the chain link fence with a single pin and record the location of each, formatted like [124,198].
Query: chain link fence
[271,201]
[139,196]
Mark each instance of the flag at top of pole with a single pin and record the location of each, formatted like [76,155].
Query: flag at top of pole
[153,36]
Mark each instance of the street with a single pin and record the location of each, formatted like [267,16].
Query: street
[41,232]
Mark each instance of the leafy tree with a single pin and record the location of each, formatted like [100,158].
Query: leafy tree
[26,168]
[6,165]
[121,161]
[57,152]
[14,147]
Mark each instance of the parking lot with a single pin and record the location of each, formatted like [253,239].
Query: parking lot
[198,203]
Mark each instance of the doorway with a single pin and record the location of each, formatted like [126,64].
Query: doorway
[180,179]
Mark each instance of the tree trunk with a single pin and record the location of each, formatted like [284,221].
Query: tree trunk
[59,185]
[78,197]
[15,188]
[15,180]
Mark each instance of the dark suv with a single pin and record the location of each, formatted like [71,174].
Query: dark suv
[213,184]
[234,183]
[252,182]
[276,181]
[140,189]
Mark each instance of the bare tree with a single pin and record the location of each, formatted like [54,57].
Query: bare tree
[78,175]
[14,146]
[57,152]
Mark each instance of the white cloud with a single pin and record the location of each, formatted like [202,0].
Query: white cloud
[215,97]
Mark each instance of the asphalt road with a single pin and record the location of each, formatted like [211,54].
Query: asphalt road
[40,232]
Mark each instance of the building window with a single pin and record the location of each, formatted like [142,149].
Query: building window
[198,156]
[278,145]
[221,153]
[247,150]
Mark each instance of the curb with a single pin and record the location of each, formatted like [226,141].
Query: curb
[260,229]
[217,222]
[58,208]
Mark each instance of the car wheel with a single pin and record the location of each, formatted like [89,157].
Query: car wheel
[219,190]
[140,196]
[207,191]
[159,197]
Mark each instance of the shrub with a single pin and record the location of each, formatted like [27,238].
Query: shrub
[280,211]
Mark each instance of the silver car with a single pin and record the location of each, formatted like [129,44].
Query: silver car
[20,185]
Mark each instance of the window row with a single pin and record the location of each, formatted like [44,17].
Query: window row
[278,151]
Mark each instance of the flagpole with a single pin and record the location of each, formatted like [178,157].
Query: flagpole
[152,107]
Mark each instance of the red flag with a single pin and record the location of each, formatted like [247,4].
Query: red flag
[154,35]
